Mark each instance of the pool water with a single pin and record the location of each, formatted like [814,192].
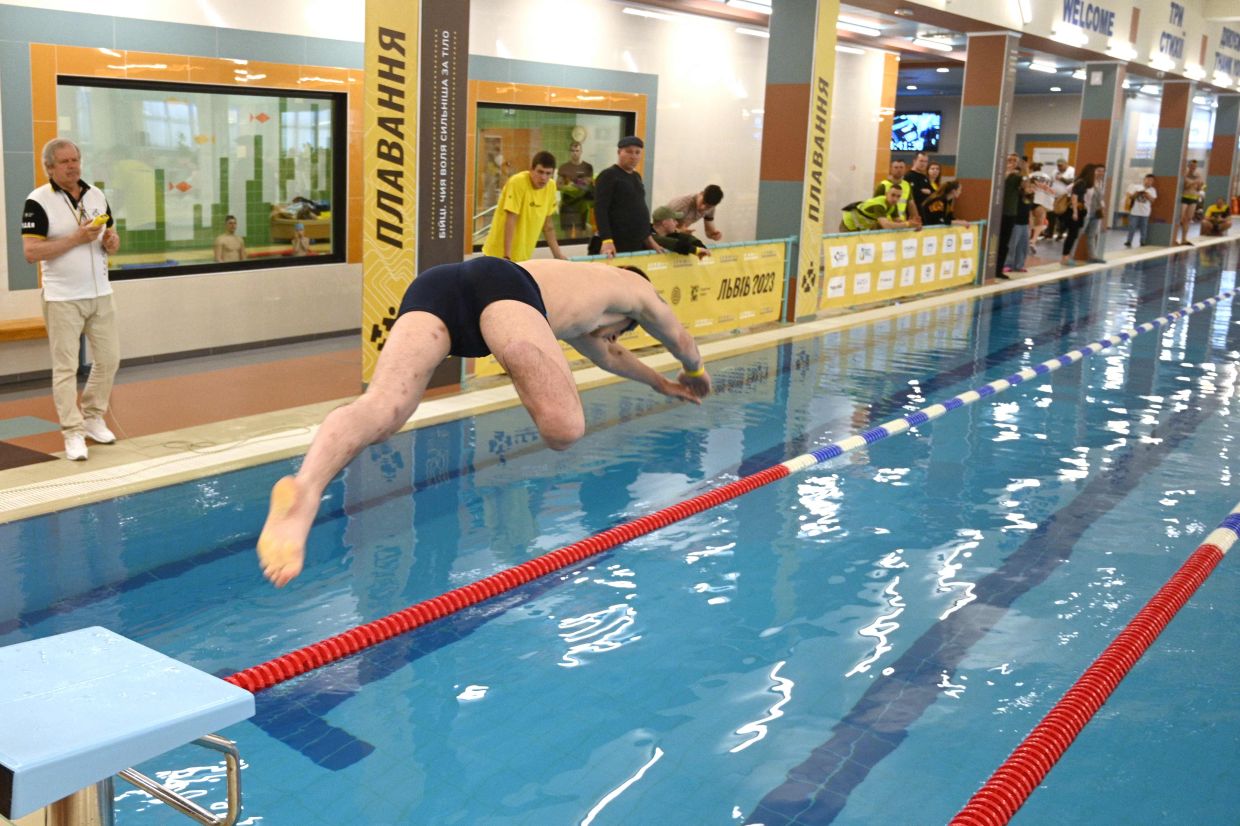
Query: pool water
[861,643]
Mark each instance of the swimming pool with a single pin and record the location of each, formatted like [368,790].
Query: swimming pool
[861,643]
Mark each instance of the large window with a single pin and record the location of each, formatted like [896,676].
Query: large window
[177,160]
[509,137]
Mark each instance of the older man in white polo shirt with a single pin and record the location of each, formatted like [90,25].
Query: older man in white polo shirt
[67,227]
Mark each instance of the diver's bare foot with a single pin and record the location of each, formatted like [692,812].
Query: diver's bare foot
[282,544]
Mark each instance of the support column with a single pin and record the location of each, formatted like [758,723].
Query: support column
[1170,157]
[795,139]
[985,134]
[886,116]
[1101,130]
[1221,170]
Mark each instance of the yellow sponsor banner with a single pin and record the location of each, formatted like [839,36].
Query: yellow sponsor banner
[871,267]
[734,287]
[389,138]
[818,133]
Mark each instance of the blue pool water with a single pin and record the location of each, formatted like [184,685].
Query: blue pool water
[862,643]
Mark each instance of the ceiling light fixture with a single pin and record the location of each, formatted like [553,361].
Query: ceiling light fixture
[751,5]
[1071,37]
[1195,73]
[942,70]
[653,15]
[1043,67]
[911,88]
[937,45]
[1079,74]
[1123,51]
[1149,89]
[1056,89]
[857,28]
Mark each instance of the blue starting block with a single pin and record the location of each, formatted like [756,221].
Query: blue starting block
[77,708]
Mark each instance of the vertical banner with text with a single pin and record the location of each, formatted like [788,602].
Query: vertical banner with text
[442,119]
[809,248]
[389,136]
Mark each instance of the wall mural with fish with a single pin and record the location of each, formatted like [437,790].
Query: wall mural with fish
[179,144]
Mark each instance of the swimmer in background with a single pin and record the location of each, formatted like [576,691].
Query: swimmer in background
[471,309]
[301,243]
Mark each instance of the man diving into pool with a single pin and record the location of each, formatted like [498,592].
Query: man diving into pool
[516,313]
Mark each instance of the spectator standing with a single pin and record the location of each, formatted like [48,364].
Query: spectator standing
[1043,206]
[526,204]
[1096,220]
[1083,196]
[1142,196]
[1217,218]
[620,204]
[940,208]
[919,180]
[907,207]
[1061,186]
[576,183]
[699,206]
[1065,172]
[1190,199]
[229,246]
[934,174]
[1018,248]
[1011,206]
[67,227]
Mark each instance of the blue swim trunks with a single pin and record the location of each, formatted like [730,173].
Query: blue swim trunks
[457,294]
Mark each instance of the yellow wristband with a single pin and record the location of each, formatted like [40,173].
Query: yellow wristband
[696,374]
[608,241]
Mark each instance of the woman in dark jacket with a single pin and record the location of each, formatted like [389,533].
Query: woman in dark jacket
[940,208]
[1078,210]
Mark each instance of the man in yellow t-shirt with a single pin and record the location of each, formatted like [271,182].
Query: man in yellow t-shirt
[525,207]
[1217,219]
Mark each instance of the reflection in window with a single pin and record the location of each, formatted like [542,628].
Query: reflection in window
[177,161]
[583,143]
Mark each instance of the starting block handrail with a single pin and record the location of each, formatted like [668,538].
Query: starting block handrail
[187,807]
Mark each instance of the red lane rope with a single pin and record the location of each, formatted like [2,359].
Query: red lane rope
[1007,789]
[315,655]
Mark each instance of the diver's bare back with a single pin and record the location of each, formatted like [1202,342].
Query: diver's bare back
[581,296]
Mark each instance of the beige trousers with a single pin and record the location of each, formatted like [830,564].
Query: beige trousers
[66,322]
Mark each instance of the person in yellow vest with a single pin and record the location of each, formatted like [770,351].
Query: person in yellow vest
[908,207]
[525,207]
[879,212]
[1217,219]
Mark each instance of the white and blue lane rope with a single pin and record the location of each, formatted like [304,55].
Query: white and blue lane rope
[263,676]
[934,411]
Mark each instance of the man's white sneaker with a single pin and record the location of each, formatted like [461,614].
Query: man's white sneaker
[97,431]
[75,447]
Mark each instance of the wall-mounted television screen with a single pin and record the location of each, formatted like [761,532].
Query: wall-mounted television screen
[916,131]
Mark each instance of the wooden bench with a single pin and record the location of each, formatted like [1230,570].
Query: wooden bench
[22,329]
